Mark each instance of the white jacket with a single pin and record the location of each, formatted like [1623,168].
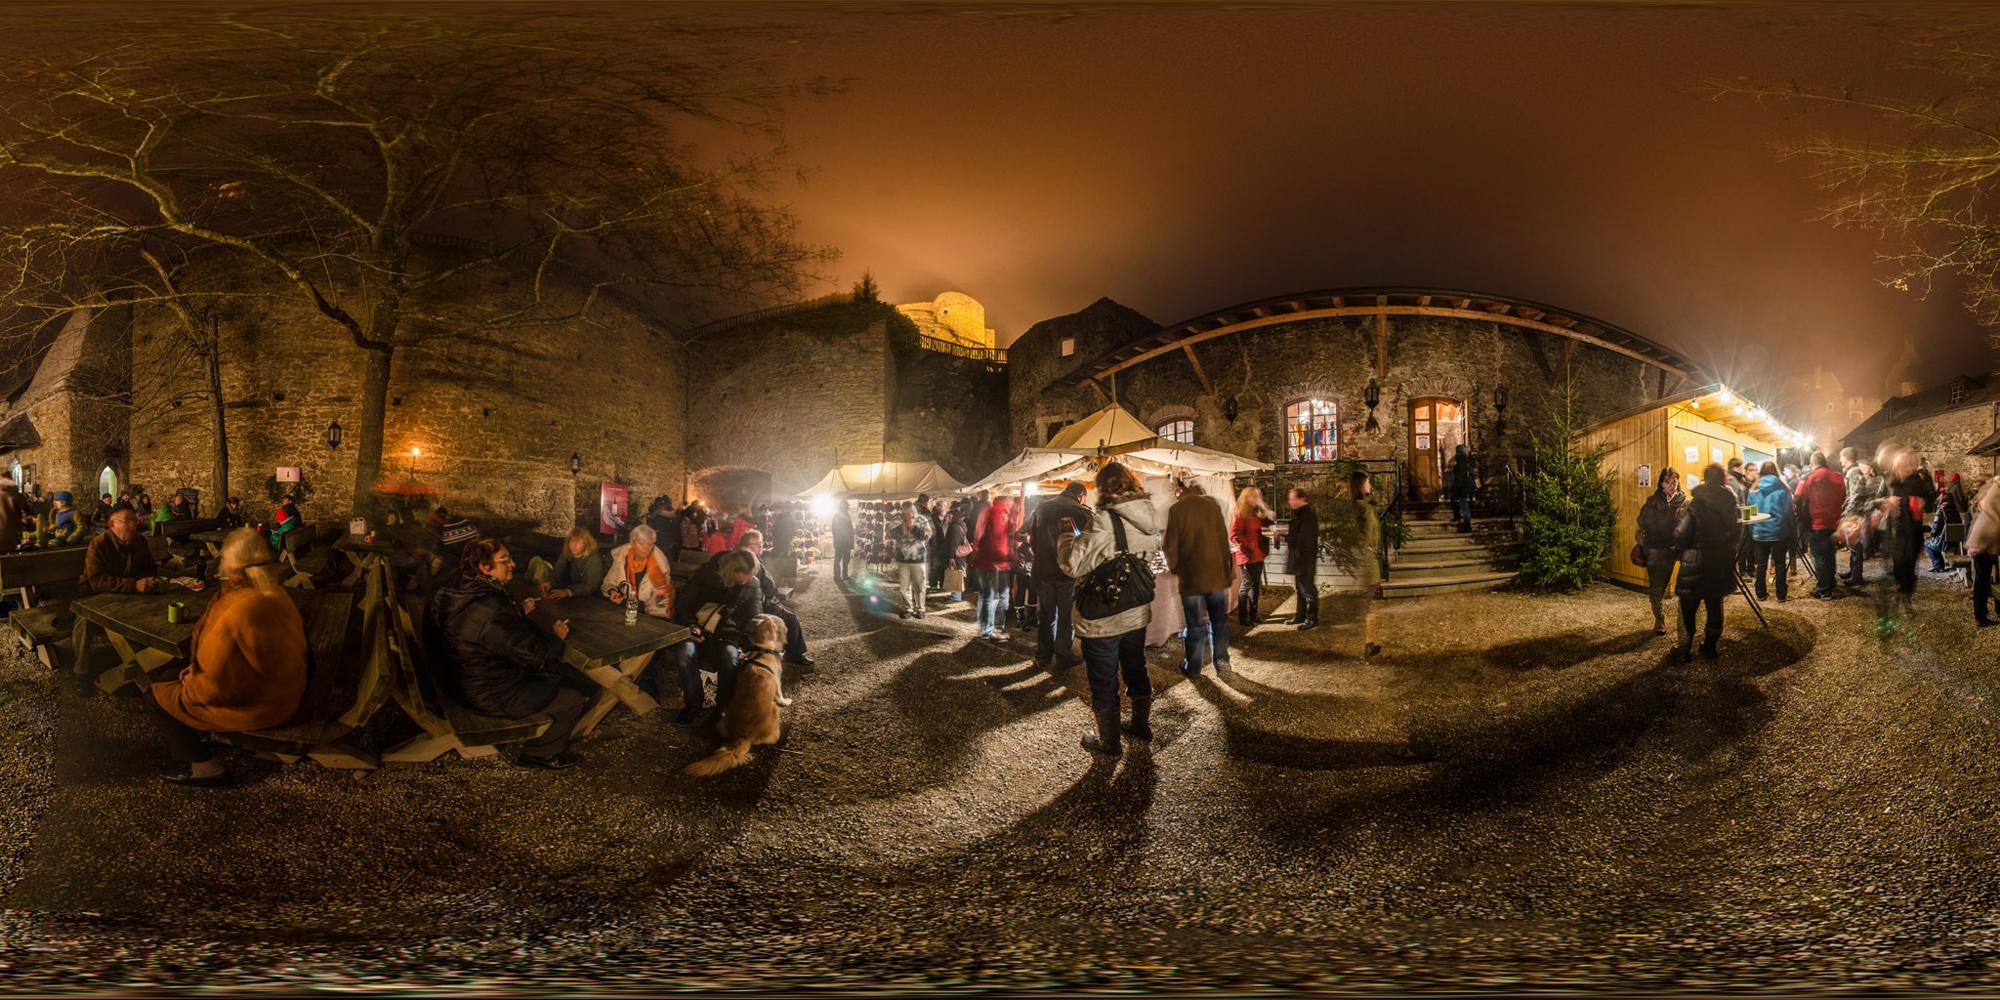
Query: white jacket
[651,601]
[1983,536]
[1079,554]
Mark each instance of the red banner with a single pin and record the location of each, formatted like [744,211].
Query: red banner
[611,506]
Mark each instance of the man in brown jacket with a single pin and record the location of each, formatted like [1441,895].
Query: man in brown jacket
[1197,551]
[119,561]
[13,511]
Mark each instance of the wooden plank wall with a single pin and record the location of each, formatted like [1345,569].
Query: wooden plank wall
[1660,438]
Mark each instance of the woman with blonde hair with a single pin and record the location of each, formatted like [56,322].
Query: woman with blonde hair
[248,670]
[580,569]
[1248,529]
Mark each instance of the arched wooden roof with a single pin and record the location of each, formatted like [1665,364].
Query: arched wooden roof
[1383,303]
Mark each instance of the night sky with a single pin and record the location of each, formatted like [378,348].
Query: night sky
[1184,158]
[1181,159]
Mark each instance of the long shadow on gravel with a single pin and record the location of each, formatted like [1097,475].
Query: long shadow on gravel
[1704,713]
[1252,733]
[1560,652]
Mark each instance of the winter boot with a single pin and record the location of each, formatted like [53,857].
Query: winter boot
[1105,739]
[1141,727]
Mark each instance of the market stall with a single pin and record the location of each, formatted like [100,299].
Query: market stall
[878,490]
[1685,433]
[1112,433]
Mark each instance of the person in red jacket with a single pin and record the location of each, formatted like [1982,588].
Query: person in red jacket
[993,557]
[1248,530]
[1819,500]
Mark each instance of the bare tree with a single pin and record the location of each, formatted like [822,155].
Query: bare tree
[1928,180]
[392,171]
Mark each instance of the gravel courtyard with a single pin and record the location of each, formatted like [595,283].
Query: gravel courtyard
[1520,791]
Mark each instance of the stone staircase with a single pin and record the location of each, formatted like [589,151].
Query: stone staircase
[1437,559]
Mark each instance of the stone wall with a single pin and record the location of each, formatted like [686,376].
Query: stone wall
[1035,359]
[1943,438]
[793,396]
[76,404]
[496,417]
[1263,370]
[948,410]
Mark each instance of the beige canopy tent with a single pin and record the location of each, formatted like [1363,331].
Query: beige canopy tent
[885,481]
[1159,458]
[1111,430]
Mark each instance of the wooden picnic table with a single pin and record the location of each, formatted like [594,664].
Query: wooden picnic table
[212,538]
[136,626]
[22,570]
[368,556]
[609,651]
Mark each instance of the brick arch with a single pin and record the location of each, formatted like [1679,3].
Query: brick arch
[723,486]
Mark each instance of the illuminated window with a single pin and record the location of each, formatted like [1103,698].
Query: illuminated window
[1312,431]
[1068,346]
[1179,430]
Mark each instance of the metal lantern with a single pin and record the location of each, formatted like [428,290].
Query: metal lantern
[1229,409]
[1373,394]
[1500,408]
[575,463]
[333,434]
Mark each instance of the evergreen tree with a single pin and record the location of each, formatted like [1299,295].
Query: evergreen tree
[866,290]
[1566,512]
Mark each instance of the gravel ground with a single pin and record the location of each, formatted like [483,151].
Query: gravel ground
[1520,791]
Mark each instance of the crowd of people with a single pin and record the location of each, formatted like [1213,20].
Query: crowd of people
[30,521]
[1082,576]
[1892,507]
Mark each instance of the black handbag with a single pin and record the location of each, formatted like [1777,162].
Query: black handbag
[1117,586]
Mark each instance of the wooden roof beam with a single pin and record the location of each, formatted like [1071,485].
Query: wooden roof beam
[1207,387]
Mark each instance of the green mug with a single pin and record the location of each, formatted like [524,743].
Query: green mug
[176,611]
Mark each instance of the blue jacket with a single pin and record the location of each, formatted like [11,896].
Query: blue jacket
[1771,497]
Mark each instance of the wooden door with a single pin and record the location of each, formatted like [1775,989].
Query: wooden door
[1437,428]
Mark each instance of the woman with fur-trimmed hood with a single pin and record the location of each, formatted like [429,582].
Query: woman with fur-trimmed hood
[1114,646]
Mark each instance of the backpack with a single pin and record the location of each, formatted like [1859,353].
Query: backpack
[1119,585]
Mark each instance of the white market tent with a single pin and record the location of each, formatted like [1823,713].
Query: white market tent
[1114,431]
[885,481]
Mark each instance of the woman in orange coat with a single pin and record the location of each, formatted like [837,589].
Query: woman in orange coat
[1247,530]
[248,670]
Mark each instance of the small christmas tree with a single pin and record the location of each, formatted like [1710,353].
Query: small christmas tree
[1566,512]
[865,290]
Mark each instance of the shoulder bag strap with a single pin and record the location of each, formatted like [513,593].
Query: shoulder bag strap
[1117,529]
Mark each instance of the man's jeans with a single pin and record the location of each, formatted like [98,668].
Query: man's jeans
[1821,541]
[1206,621]
[714,655]
[994,596]
[1054,633]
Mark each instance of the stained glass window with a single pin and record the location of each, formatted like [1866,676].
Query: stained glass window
[1312,431]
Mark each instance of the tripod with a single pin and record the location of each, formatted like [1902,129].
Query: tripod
[1743,587]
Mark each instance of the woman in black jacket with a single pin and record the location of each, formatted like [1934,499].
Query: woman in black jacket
[1657,520]
[716,605]
[1706,537]
[498,662]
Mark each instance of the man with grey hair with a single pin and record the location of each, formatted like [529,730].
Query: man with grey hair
[639,567]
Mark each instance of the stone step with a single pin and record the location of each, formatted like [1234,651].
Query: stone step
[1503,553]
[1455,543]
[1399,587]
[1433,570]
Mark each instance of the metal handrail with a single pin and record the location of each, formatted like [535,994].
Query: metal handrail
[990,355]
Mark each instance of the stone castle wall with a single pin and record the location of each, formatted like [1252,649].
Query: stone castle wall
[1944,439]
[1268,368]
[496,417]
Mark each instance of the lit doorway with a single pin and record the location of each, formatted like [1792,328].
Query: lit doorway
[1437,428]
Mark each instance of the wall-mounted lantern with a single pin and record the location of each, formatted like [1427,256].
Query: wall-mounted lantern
[1373,397]
[1229,409]
[1500,408]
[415,453]
[575,463]
[333,434]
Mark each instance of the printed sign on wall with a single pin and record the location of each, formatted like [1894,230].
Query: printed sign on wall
[611,501]
[1645,476]
[288,474]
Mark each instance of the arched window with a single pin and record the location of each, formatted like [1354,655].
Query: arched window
[1179,430]
[1312,431]
[107,482]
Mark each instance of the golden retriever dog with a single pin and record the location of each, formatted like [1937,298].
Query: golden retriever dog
[751,717]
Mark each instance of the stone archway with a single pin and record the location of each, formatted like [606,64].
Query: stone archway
[724,486]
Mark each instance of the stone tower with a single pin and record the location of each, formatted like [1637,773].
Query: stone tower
[954,317]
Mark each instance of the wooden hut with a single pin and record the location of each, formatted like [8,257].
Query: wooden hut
[1685,433]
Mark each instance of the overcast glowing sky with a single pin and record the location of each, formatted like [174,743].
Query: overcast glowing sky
[1182,159]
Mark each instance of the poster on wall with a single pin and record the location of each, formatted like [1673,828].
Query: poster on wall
[288,474]
[1693,454]
[611,501]
[1645,476]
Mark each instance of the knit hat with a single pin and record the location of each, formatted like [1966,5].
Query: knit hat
[1075,490]
[64,496]
[459,531]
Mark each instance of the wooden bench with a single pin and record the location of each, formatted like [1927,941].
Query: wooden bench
[44,630]
[175,531]
[347,686]
[26,571]
[447,726]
